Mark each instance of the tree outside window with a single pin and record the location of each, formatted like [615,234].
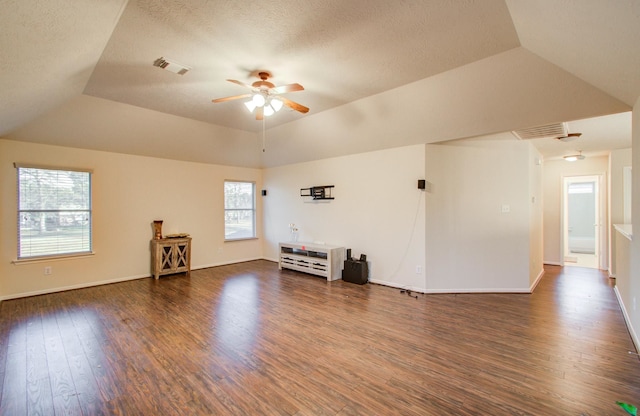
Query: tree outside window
[54,212]
[239,210]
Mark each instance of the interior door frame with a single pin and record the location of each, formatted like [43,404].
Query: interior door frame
[601,218]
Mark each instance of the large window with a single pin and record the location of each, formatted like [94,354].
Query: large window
[54,212]
[239,210]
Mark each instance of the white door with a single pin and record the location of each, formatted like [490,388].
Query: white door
[582,224]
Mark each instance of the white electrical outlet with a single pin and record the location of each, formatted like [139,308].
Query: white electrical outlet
[48,270]
[505,208]
[634,303]
[418,269]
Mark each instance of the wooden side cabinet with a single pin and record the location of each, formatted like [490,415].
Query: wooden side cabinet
[170,255]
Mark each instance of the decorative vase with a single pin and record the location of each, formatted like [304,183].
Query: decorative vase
[157,229]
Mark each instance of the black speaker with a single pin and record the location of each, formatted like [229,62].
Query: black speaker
[348,254]
[355,271]
[363,257]
[264,192]
[421,183]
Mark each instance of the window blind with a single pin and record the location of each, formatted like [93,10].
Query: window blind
[54,212]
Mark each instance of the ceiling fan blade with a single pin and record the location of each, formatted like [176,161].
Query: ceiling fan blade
[242,84]
[259,113]
[294,105]
[287,88]
[234,97]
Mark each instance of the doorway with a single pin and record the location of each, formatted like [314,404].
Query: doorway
[582,224]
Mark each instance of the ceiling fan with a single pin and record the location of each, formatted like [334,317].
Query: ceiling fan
[265,97]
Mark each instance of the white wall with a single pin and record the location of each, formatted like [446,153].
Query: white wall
[471,245]
[554,171]
[634,313]
[618,159]
[536,241]
[378,210]
[129,192]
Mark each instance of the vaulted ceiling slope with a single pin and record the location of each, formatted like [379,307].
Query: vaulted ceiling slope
[377,74]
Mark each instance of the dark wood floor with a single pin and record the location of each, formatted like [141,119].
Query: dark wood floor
[247,339]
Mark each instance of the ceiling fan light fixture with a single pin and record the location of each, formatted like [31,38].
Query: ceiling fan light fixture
[258,100]
[263,100]
[276,104]
[250,106]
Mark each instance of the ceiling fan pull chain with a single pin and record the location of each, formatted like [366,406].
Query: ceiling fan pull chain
[263,135]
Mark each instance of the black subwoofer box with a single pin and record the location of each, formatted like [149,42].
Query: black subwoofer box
[355,271]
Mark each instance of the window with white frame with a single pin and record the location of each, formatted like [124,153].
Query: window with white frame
[54,211]
[239,210]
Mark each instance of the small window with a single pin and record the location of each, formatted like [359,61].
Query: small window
[239,210]
[54,212]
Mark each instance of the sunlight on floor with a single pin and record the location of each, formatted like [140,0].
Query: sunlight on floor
[581,260]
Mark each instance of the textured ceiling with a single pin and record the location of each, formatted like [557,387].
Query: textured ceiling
[49,50]
[340,51]
[377,74]
[596,40]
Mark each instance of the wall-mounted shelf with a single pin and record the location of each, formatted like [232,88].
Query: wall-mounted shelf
[317,192]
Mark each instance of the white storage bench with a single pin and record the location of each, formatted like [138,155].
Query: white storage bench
[319,259]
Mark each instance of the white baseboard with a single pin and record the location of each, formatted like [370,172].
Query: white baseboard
[397,286]
[535,282]
[553,263]
[627,319]
[449,291]
[225,263]
[72,287]
[109,281]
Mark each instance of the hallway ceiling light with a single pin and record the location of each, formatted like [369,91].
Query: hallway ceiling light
[573,158]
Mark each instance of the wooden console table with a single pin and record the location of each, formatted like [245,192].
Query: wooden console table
[319,259]
[170,255]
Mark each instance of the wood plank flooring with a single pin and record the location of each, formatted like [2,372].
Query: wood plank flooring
[247,339]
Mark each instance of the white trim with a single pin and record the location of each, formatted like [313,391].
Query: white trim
[535,282]
[627,319]
[602,216]
[226,263]
[451,291]
[107,282]
[397,286]
[19,165]
[73,287]
[47,259]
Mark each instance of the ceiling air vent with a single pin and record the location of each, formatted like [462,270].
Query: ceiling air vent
[171,66]
[542,132]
